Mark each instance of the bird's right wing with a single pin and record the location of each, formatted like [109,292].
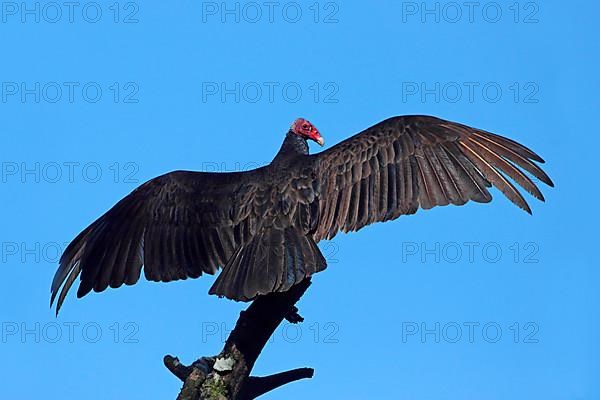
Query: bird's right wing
[411,162]
[177,225]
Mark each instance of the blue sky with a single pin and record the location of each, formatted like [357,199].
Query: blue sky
[482,301]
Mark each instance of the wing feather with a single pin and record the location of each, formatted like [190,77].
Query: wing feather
[175,226]
[411,162]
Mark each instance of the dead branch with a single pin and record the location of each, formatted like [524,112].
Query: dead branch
[227,376]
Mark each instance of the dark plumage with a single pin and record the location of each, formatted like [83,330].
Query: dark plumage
[263,226]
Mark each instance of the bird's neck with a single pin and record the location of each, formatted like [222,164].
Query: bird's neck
[293,145]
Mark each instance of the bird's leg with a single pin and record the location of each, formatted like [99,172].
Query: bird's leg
[292,316]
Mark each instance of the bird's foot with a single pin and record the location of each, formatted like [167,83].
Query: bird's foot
[293,317]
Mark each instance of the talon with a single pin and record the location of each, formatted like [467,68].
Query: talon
[293,317]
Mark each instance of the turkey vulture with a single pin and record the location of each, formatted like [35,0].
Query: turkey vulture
[262,226]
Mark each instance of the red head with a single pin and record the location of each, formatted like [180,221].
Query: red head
[306,130]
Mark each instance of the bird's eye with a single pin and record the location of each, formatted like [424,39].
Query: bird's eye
[305,126]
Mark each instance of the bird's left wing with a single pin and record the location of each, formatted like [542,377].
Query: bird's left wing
[411,162]
[177,225]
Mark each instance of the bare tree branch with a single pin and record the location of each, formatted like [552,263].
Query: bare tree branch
[257,386]
[227,376]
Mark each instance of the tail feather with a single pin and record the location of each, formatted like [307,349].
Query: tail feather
[274,260]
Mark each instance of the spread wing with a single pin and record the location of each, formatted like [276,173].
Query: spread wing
[411,162]
[177,225]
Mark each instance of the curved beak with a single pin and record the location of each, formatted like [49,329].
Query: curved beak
[315,135]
